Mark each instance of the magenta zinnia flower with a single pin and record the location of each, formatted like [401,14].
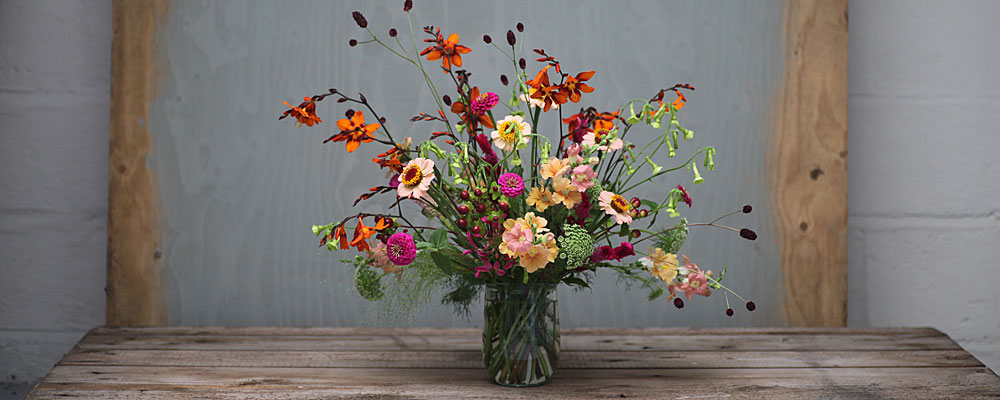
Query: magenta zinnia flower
[484,103]
[511,184]
[401,249]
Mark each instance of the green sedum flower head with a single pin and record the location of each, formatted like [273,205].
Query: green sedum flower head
[575,246]
[369,282]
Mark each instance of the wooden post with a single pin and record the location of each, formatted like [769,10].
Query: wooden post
[810,163]
[134,287]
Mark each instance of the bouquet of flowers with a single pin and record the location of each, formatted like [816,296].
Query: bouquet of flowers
[515,211]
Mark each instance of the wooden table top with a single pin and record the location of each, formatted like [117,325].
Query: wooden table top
[377,363]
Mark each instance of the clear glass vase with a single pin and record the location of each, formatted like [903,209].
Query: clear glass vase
[521,334]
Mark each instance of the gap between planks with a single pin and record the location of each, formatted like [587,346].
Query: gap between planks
[687,343]
[473,359]
[377,331]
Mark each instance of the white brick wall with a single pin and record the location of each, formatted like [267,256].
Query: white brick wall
[924,169]
[54,102]
[924,174]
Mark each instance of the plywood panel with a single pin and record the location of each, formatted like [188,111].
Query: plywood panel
[135,285]
[810,163]
[237,190]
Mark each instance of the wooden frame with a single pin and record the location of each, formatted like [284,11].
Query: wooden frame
[809,164]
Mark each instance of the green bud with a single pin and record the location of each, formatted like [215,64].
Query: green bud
[688,134]
[546,147]
[633,119]
[656,168]
[697,177]
[709,162]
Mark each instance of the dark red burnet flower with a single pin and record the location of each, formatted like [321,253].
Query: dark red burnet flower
[747,209]
[360,19]
[748,234]
[407,5]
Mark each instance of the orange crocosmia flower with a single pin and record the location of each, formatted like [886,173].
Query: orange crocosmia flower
[549,95]
[341,235]
[602,127]
[448,50]
[354,131]
[390,159]
[541,79]
[680,101]
[362,233]
[574,85]
[461,108]
[305,113]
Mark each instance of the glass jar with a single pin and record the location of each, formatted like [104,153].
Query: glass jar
[521,333]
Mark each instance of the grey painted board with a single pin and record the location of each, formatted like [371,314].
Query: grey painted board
[239,189]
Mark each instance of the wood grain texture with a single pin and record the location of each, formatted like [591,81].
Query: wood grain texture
[134,282]
[810,163]
[180,362]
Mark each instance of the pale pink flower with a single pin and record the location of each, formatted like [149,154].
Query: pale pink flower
[590,139]
[517,238]
[583,177]
[574,150]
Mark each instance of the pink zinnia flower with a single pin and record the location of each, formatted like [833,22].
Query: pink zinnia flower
[511,184]
[484,103]
[616,206]
[583,176]
[401,249]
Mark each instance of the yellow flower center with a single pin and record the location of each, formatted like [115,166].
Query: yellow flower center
[412,175]
[619,204]
[508,131]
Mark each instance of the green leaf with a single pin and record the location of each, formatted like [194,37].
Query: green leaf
[653,206]
[656,293]
[571,281]
[442,261]
[424,245]
[439,238]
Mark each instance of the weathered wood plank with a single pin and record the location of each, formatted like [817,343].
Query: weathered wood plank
[135,284]
[569,342]
[471,383]
[382,331]
[809,163]
[568,359]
